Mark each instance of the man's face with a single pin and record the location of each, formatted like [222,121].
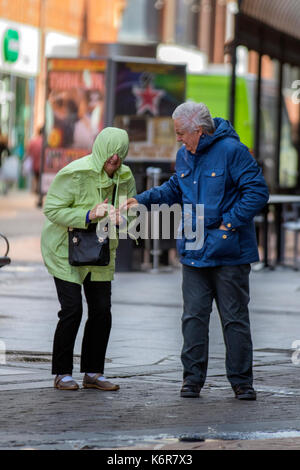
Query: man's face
[189,139]
[112,164]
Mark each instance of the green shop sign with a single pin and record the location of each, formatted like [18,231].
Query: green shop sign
[11,43]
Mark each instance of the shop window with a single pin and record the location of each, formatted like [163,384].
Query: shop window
[186,22]
[141,22]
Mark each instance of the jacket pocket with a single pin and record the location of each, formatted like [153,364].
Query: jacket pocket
[183,172]
[223,244]
[194,248]
[214,181]
[183,175]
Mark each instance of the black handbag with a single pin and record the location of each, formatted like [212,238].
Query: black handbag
[86,249]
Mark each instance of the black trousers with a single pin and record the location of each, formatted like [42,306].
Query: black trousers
[97,327]
[229,286]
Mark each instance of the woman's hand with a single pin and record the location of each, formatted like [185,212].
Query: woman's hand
[115,216]
[99,210]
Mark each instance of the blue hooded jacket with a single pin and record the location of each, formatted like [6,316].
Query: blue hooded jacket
[224,177]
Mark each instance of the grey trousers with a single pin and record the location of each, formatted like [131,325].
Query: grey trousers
[229,286]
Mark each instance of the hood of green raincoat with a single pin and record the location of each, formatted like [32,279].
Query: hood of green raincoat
[110,141]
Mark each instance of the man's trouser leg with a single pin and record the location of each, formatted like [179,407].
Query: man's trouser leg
[198,297]
[232,297]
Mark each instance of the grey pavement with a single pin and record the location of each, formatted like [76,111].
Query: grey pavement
[143,357]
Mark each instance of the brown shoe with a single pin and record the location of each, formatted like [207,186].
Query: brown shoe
[94,382]
[69,385]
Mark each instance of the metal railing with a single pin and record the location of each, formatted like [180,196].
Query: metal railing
[153,179]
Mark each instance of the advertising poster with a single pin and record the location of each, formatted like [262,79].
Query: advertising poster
[74,112]
[145,97]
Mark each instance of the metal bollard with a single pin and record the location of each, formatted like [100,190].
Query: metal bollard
[153,179]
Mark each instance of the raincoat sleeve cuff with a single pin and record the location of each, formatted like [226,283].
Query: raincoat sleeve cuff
[87,218]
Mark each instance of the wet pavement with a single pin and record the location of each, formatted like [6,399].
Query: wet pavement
[143,357]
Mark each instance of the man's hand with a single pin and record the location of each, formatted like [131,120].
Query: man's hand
[128,204]
[99,210]
[222,227]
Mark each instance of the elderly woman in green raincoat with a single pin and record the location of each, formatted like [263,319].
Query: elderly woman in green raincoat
[80,194]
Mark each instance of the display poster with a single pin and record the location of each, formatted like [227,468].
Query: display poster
[145,97]
[74,112]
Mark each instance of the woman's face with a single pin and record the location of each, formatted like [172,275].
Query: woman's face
[112,164]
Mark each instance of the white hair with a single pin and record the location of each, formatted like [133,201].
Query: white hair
[194,115]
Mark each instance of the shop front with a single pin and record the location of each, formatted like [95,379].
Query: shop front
[19,66]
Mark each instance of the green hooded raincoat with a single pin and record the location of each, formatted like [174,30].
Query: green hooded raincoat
[76,189]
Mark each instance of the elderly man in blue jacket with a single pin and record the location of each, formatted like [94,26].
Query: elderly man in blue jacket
[214,169]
